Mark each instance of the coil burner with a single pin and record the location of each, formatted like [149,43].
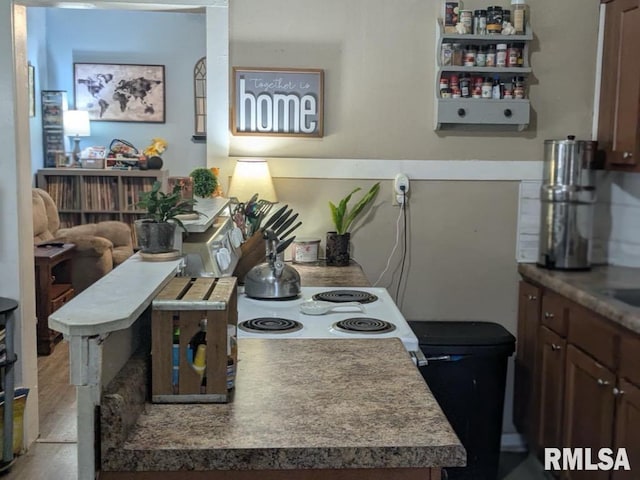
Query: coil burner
[364,325]
[270,325]
[340,296]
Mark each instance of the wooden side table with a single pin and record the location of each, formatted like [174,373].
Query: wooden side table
[53,288]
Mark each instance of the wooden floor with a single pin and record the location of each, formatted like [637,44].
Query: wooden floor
[53,456]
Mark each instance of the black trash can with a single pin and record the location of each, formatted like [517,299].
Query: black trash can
[466,372]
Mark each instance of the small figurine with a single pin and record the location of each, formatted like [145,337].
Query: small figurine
[158,145]
[508,29]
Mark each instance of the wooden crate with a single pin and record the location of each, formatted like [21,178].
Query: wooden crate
[182,304]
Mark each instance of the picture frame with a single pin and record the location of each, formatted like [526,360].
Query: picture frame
[115,92]
[31,82]
[277,101]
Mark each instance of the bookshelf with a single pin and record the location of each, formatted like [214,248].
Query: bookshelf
[90,196]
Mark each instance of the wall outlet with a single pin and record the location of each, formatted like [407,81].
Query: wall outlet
[400,189]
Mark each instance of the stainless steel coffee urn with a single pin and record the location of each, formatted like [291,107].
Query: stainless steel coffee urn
[567,196]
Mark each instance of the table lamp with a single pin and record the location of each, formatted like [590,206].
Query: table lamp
[76,125]
[251,176]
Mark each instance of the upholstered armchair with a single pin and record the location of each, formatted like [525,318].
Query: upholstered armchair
[100,247]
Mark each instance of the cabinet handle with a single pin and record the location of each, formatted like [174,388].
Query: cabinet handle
[617,392]
[555,347]
[462,112]
[548,315]
[627,155]
[508,112]
[531,297]
[603,382]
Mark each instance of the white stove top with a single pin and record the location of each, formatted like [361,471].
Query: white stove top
[321,326]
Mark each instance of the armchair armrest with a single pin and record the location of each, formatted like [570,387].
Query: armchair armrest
[86,245]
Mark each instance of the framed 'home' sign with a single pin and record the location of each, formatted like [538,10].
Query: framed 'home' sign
[277,101]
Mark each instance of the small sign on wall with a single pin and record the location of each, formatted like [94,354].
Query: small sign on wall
[277,101]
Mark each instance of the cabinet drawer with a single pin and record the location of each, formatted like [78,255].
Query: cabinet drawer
[630,357]
[483,111]
[554,313]
[594,335]
[60,300]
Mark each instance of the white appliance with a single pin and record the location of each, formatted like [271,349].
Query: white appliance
[378,307]
[211,246]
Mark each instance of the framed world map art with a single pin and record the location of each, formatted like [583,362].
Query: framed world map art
[120,92]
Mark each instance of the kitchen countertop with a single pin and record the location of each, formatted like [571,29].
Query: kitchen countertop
[313,403]
[589,288]
[320,275]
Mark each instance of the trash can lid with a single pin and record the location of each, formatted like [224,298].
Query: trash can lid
[467,333]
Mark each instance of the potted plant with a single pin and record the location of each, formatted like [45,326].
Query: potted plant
[338,241]
[204,182]
[156,230]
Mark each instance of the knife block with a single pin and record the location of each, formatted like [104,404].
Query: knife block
[253,253]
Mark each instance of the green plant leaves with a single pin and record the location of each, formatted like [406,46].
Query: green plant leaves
[343,219]
[162,207]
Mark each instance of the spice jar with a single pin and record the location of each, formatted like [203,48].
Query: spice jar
[456,57]
[518,88]
[470,56]
[494,19]
[454,82]
[446,51]
[501,55]
[444,82]
[508,91]
[519,16]
[480,22]
[481,56]
[506,17]
[513,54]
[477,87]
[465,85]
[491,56]
[466,19]
[487,88]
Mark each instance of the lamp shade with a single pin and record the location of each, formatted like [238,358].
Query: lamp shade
[76,123]
[252,176]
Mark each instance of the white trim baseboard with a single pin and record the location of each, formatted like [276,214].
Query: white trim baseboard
[376,169]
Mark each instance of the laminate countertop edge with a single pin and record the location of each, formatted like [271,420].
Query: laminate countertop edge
[589,289]
[301,404]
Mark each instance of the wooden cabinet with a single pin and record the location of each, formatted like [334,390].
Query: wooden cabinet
[53,289]
[619,114]
[551,366]
[589,406]
[528,321]
[585,389]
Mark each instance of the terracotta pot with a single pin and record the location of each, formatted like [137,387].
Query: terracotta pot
[155,237]
[337,252]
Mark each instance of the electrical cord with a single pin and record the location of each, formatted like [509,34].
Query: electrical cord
[393,250]
[404,247]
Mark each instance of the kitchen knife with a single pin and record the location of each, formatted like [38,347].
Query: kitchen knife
[286,224]
[283,245]
[282,219]
[274,217]
[285,235]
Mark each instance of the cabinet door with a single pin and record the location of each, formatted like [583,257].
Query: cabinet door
[551,365]
[619,124]
[588,408]
[528,320]
[628,427]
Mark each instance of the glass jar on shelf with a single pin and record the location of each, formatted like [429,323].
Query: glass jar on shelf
[457,55]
